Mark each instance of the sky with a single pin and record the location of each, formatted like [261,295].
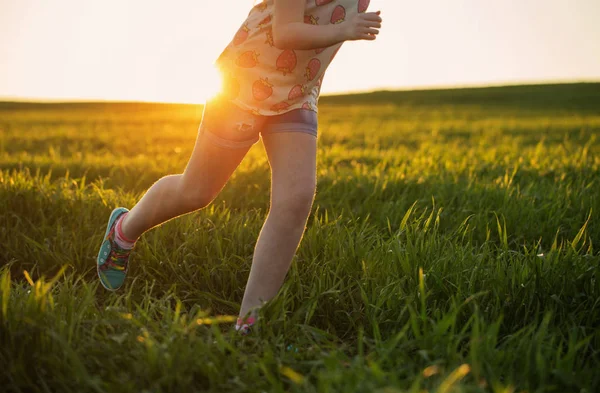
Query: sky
[159,50]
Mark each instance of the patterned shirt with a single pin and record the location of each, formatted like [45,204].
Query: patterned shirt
[265,80]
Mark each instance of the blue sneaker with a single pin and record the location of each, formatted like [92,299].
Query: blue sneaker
[112,260]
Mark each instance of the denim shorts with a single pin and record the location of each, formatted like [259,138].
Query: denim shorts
[229,126]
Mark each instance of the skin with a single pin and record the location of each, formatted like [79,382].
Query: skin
[290,31]
[292,158]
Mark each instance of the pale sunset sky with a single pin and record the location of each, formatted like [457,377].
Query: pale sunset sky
[159,50]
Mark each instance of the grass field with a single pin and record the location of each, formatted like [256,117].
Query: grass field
[452,247]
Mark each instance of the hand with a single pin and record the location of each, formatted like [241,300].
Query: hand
[364,26]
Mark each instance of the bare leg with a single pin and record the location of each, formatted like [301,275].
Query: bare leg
[207,172]
[292,156]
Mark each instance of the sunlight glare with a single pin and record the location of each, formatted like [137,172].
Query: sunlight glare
[212,83]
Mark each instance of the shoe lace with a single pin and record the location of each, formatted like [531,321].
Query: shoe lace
[119,257]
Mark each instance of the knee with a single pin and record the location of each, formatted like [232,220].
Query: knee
[294,210]
[195,197]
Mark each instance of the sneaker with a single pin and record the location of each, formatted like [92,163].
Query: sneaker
[112,260]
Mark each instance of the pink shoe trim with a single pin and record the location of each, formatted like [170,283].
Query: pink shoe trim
[249,321]
[120,231]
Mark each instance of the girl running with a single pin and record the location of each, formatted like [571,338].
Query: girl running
[272,72]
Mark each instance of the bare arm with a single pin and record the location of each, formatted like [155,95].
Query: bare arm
[290,31]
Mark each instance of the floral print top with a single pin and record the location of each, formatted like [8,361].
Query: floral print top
[265,80]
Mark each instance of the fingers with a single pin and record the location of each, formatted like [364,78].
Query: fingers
[372,16]
[376,25]
[369,31]
[367,25]
[370,22]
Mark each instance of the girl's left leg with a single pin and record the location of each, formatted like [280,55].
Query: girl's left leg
[292,157]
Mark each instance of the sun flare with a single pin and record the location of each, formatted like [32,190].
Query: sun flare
[212,83]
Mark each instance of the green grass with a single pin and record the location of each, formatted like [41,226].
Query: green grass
[452,247]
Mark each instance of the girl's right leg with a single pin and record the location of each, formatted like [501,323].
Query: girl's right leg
[207,172]
[213,160]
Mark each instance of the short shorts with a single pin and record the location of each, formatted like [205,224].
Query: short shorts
[228,126]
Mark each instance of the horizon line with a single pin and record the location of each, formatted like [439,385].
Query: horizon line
[21,99]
